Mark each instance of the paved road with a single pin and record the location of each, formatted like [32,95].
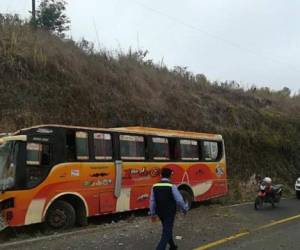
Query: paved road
[285,236]
[274,229]
[281,232]
[203,226]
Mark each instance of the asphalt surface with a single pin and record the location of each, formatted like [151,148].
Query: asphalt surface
[280,236]
[285,236]
[203,225]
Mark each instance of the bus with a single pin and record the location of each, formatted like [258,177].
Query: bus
[61,175]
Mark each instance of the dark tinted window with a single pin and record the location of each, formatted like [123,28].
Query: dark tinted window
[82,146]
[38,161]
[38,154]
[102,146]
[34,154]
[160,149]
[189,150]
[132,147]
[211,150]
[70,145]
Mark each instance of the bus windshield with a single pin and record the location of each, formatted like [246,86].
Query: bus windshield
[7,168]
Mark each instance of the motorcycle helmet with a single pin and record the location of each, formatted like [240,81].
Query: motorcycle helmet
[267,180]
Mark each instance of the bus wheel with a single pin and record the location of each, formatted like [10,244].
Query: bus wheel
[61,215]
[187,198]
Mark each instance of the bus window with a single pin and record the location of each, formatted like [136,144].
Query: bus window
[160,149]
[38,160]
[102,146]
[189,150]
[82,148]
[70,145]
[38,154]
[132,147]
[34,154]
[211,150]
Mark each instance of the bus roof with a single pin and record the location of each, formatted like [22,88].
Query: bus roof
[135,130]
[168,132]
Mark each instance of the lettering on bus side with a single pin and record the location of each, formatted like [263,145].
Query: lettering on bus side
[97,183]
[143,172]
[99,175]
[40,139]
[44,131]
[143,197]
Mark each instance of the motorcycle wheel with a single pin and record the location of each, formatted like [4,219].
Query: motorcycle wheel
[273,204]
[258,203]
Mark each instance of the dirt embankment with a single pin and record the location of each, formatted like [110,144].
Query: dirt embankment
[44,79]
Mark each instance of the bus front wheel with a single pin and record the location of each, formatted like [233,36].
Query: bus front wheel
[61,215]
[187,197]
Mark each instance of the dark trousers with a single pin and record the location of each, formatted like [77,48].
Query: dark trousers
[167,233]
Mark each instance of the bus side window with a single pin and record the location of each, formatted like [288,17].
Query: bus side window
[102,146]
[132,147]
[160,149]
[211,150]
[38,154]
[189,150]
[38,160]
[34,154]
[70,146]
[46,155]
[82,146]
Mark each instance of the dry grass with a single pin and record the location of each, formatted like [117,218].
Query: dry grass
[44,79]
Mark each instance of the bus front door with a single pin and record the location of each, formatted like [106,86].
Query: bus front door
[122,192]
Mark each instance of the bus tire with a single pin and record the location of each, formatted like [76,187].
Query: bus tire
[187,197]
[81,218]
[60,215]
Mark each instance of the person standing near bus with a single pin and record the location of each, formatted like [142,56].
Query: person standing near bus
[164,199]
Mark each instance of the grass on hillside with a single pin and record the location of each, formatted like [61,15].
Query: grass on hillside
[46,79]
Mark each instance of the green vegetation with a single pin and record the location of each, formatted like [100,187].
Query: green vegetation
[46,79]
[51,17]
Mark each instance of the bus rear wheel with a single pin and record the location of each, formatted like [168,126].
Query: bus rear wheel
[60,215]
[187,197]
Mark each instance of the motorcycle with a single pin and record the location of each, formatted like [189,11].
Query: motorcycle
[270,195]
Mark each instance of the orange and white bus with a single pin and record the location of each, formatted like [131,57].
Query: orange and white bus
[61,175]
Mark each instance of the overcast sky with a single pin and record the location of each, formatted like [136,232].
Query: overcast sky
[255,42]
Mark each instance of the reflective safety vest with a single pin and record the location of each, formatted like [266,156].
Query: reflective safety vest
[165,202]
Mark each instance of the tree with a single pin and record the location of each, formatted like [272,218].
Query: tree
[285,92]
[8,19]
[51,17]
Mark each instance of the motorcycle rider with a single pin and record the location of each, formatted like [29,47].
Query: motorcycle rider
[266,186]
[267,182]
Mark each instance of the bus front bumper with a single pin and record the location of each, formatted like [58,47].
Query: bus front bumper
[3,223]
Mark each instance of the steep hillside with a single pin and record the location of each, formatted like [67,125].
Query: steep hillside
[44,79]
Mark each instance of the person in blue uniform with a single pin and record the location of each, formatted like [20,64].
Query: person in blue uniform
[164,200]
